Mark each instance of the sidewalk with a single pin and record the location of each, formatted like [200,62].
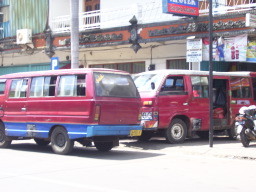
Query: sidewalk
[222,147]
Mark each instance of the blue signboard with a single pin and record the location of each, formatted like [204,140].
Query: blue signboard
[55,63]
[181,7]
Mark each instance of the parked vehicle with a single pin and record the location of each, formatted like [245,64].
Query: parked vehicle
[245,124]
[64,106]
[176,102]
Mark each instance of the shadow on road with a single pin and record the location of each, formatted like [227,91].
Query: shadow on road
[86,152]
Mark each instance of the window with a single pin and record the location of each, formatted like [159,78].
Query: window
[200,86]
[240,87]
[72,85]
[43,86]
[115,85]
[2,87]
[173,85]
[137,67]
[148,82]
[97,7]
[177,64]
[18,88]
[88,8]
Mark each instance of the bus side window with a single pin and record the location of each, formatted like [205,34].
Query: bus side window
[18,88]
[2,88]
[254,87]
[81,86]
[199,86]
[72,85]
[49,86]
[240,87]
[173,85]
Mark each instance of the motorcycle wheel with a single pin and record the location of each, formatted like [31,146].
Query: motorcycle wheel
[244,138]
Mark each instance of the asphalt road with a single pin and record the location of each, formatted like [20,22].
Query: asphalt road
[133,166]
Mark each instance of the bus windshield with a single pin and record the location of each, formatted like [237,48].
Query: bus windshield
[144,82]
[115,85]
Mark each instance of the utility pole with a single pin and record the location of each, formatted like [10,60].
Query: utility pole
[210,76]
[74,10]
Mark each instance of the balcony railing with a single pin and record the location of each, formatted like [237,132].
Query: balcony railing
[149,13]
[87,20]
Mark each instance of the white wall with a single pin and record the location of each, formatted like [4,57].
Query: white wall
[62,8]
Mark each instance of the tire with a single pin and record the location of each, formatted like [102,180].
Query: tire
[60,142]
[176,132]
[4,142]
[244,138]
[104,146]
[41,142]
[145,136]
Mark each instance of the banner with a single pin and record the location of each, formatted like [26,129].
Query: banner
[251,51]
[235,48]
[228,49]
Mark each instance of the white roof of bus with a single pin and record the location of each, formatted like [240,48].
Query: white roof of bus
[194,72]
[60,72]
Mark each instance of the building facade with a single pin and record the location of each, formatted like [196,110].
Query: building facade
[134,35]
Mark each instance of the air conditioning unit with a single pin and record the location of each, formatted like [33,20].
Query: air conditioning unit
[24,36]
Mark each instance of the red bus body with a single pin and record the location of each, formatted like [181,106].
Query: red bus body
[69,99]
[173,107]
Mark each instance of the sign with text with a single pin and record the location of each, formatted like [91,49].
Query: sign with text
[55,63]
[181,7]
[194,50]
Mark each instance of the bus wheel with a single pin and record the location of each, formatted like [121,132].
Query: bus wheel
[61,144]
[4,142]
[41,142]
[176,132]
[104,146]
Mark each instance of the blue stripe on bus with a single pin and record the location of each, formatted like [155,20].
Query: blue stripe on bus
[75,131]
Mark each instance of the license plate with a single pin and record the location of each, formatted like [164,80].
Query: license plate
[135,132]
[146,116]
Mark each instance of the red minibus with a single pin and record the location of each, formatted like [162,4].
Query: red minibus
[176,102]
[63,106]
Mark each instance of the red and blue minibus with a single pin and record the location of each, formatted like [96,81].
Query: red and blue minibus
[64,106]
[176,102]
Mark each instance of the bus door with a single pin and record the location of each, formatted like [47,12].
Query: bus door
[199,102]
[221,102]
[15,108]
[173,99]
[2,96]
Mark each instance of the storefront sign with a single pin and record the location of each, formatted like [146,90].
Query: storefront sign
[55,63]
[181,7]
[194,50]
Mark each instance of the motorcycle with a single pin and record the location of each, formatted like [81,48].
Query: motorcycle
[246,124]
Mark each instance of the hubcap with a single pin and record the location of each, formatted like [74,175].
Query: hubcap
[60,140]
[177,131]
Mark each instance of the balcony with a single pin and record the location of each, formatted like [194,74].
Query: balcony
[148,13]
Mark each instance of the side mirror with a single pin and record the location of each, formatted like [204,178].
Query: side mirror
[153,86]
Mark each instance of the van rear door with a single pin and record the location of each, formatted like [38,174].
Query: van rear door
[117,98]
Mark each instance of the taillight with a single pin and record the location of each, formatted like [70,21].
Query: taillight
[145,103]
[97,113]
